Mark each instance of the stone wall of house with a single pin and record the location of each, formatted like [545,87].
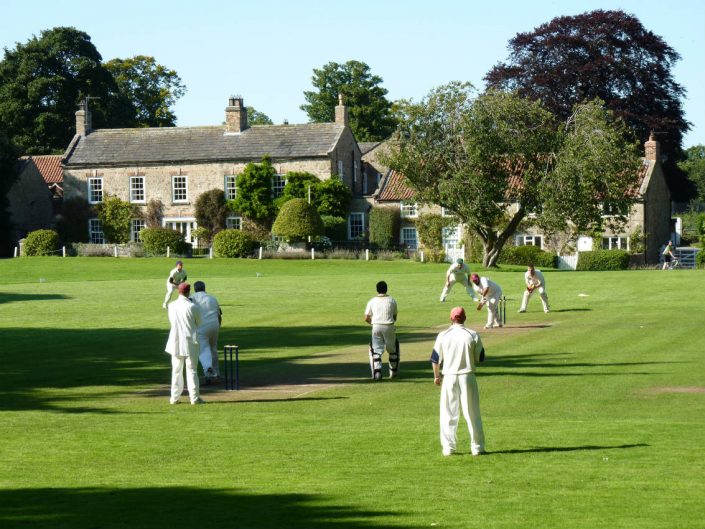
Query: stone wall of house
[30,203]
[657,215]
[348,152]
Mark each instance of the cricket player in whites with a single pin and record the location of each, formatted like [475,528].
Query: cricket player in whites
[457,273]
[208,330]
[534,281]
[459,350]
[176,277]
[381,313]
[490,294]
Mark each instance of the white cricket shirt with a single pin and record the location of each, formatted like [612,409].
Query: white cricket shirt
[457,350]
[382,309]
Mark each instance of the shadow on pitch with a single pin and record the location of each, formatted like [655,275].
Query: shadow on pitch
[156,508]
[540,449]
[6,297]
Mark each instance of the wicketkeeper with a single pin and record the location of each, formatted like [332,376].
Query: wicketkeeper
[534,282]
[457,273]
[381,313]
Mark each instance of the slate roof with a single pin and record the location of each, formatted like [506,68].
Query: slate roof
[146,146]
[367,146]
[49,166]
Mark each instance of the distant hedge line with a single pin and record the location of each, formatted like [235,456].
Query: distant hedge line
[603,260]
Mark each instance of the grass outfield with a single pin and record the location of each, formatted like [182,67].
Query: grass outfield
[594,414]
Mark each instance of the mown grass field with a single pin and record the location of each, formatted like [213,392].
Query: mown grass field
[594,414]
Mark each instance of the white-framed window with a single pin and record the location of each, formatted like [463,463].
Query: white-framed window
[356,226]
[135,227]
[95,231]
[529,240]
[233,223]
[95,190]
[184,225]
[409,237]
[278,185]
[615,243]
[409,210]
[610,209]
[230,187]
[354,171]
[445,212]
[179,188]
[137,189]
[341,169]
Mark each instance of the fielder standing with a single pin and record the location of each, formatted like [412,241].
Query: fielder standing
[490,294]
[381,313]
[457,273]
[534,281]
[459,350]
[182,345]
[208,330]
[176,277]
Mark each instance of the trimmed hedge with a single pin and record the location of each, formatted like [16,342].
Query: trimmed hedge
[297,220]
[156,240]
[700,259]
[41,242]
[526,255]
[335,228]
[603,260]
[233,243]
[384,227]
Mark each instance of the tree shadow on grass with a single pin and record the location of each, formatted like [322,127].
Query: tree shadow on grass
[6,297]
[539,449]
[180,507]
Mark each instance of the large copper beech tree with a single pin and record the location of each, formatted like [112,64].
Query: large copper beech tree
[496,158]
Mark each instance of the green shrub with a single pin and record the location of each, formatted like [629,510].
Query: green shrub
[700,258]
[430,228]
[210,211]
[526,255]
[335,228]
[233,243]
[384,227]
[116,216]
[603,260]
[156,241]
[41,242]
[297,220]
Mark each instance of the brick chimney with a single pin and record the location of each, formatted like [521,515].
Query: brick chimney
[341,112]
[235,115]
[83,119]
[652,148]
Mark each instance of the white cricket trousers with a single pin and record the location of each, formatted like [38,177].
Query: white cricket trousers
[446,290]
[384,337]
[461,392]
[208,342]
[170,287]
[527,297]
[493,312]
[177,377]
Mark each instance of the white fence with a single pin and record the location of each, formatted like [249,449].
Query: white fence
[568,262]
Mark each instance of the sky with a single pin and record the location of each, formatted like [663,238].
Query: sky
[266,50]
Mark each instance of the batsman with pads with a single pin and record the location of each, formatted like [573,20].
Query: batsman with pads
[381,313]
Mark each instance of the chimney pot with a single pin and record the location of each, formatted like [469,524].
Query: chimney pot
[235,115]
[341,112]
[652,148]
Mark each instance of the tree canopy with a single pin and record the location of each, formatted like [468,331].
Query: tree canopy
[8,175]
[475,155]
[150,88]
[369,111]
[254,191]
[694,167]
[606,55]
[255,117]
[211,210]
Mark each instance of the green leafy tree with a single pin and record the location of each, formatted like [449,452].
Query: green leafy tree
[41,83]
[8,175]
[151,89]
[211,209]
[333,197]
[297,220]
[370,113]
[255,117]
[116,216]
[694,167]
[606,55]
[475,155]
[297,186]
[254,191]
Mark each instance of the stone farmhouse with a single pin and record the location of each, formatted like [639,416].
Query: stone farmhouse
[177,164]
[650,216]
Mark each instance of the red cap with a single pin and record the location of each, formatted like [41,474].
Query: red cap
[184,289]
[474,277]
[457,314]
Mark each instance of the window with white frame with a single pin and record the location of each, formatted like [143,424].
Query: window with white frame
[610,209]
[137,189]
[230,187]
[95,190]
[341,172]
[179,188]
[354,170]
[95,231]
[278,185]
[356,226]
[409,210]
[409,237]
[233,223]
[615,243]
[445,212]
[135,228]
[185,226]
[529,240]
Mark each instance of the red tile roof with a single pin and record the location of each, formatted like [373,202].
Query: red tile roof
[396,188]
[49,166]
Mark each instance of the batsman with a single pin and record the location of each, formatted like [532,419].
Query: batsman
[381,313]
